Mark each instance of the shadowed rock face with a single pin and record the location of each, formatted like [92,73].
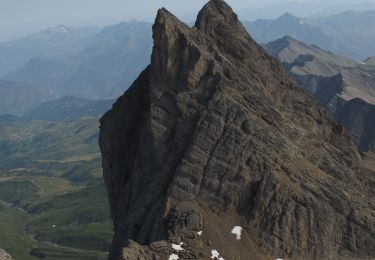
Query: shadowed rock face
[215,134]
[358,117]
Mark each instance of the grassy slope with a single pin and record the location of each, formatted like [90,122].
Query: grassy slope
[53,201]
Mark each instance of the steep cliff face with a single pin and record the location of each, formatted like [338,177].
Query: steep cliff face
[358,117]
[214,134]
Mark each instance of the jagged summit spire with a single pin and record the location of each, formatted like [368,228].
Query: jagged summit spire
[168,32]
[165,19]
[162,15]
[217,27]
[214,13]
[217,8]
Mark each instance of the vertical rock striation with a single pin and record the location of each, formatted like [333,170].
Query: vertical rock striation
[215,134]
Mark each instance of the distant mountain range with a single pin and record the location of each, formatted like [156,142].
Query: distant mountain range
[353,33]
[350,33]
[18,97]
[304,9]
[61,61]
[98,68]
[50,42]
[268,30]
[344,87]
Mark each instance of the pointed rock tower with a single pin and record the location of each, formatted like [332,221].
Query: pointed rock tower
[214,134]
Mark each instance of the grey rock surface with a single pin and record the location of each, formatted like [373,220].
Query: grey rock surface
[214,134]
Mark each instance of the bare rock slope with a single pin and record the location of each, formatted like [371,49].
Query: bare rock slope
[214,134]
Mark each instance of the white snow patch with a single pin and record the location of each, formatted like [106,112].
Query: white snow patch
[215,255]
[173,257]
[177,248]
[237,230]
[199,233]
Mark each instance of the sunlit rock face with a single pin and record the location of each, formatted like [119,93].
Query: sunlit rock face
[214,135]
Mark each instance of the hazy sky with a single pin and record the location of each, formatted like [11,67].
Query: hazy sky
[21,17]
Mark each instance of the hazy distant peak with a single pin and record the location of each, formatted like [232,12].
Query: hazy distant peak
[275,47]
[126,24]
[287,49]
[288,16]
[135,21]
[56,30]
[61,28]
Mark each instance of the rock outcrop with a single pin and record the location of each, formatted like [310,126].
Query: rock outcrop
[4,255]
[214,134]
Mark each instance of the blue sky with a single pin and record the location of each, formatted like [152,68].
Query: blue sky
[21,17]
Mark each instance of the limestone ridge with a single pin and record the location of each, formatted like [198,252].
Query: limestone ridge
[213,134]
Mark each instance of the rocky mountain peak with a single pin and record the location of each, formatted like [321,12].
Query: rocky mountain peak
[220,25]
[163,18]
[169,35]
[58,30]
[216,14]
[286,39]
[288,17]
[213,137]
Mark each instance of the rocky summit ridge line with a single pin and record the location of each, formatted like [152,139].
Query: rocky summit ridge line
[214,134]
